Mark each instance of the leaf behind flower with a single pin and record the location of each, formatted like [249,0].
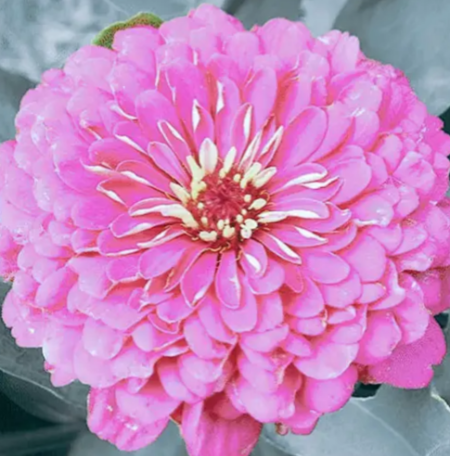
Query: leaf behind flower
[393,423]
[24,380]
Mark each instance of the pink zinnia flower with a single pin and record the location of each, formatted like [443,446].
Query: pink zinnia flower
[225,228]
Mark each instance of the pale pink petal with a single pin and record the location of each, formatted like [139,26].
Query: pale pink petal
[228,285]
[199,278]
[329,360]
[245,317]
[208,434]
[410,365]
[150,405]
[327,396]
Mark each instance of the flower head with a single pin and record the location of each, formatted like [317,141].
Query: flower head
[226,228]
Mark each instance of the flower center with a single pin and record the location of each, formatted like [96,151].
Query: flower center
[224,202]
[226,207]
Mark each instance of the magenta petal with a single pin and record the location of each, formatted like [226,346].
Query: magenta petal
[410,365]
[367,257]
[327,268]
[160,259]
[200,342]
[245,317]
[308,303]
[228,286]
[266,341]
[304,135]
[209,314]
[108,422]
[171,381]
[355,175]
[199,277]
[380,338]
[254,258]
[270,311]
[150,405]
[329,360]
[271,281]
[91,370]
[207,434]
[326,396]
[100,340]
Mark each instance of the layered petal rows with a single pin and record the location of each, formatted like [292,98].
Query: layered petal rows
[225,228]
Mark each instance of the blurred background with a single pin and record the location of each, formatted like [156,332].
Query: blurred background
[38,420]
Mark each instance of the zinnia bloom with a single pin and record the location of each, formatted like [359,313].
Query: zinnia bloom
[225,228]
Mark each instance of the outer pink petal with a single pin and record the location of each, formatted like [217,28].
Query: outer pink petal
[410,365]
[207,434]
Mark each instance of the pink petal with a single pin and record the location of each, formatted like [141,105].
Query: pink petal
[266,341]
[245,317]
[304,135]
[325,267]
[373,210]
[208,434]
[200,341]
[367,257]
[254,258]
[150,405]
[344,293]
[123,269]
[53,291]
[100,340]
[273,406]
[271,281]
[339,122]
[152,107]
[261,92]
[410,365]
[278,247]
[174,309]
[160,259]
[308,303]
[380,338]
[149,338]
[166,160]
[228,286]
[329,360]
[95,213]
[209,314]
[326,396]
[171,381]
[199,277]
[270,311]
[91,370]
[356,176]
[108,422]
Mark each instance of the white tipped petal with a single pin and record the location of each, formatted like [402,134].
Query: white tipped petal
[274,141]
[208,155]
[195,115]
[197,173]
[229,160]
[309,234]
[248,122]
[180,192]
[304,179]
[271,217]
[264,176]
[252,149]
[258,204]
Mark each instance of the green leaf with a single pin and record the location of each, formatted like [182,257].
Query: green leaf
[24,380]
[106,37]
[394,422]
